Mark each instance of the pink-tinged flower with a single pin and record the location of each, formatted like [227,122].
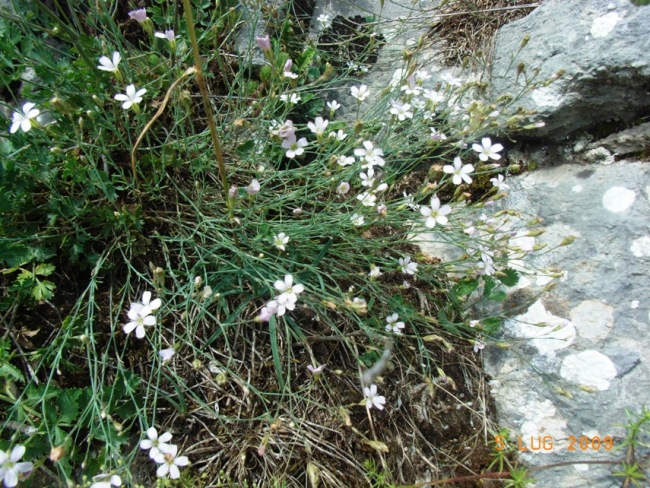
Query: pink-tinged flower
[23,120]
[253,187]
[268,311]
[478,346]
[140,15]
[459,171]
[294,147]
[316,370]
[287,129]
[166,354]
[264,43]
[360,92]
[486,150]
[407,266]
[168,35]
[287,70]
[106,481]
[382,210]
[392,324]
[372,398]
[169,463]
[108,64]
[11,471]
[435,213]
[437,136]
[318,126]
[132,96]
[156,445]
[343,188]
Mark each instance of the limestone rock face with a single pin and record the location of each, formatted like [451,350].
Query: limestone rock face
[603,47]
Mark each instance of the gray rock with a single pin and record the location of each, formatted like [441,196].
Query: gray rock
[629,141]
[601,45]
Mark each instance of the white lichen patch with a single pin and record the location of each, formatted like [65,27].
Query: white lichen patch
[547,96]
[546,332]
[594,320]
[634,304]
[542,427]
[618,199]
[641,247]
[577,189]
[588,368]
[604,25]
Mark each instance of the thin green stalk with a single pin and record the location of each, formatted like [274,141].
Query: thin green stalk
[206,100]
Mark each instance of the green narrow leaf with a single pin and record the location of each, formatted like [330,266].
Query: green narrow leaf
[322,252]
[273,332]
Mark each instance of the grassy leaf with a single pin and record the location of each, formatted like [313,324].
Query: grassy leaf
[277,361]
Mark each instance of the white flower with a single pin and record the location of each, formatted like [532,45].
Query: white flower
[22,119]
[401,110]
[372,399]
[294,147]
[410,201]
[487,150]
[11,471]
[375,272]
[367,199]
[344,160]
[485,268]
[140,317]
[392,325]
[478,345]
[140,15]
[169,35]
[157,445]
[280,240]
[289,296]
[343,188]
[166,354]
[437,136]
[435,97]
[207,292]
[132,96]
[338,135]
[474,323]
[106,64]
[198,281]
[318,126]
[357,219]
[435,213]
[147,302]
[333,105]
[499,182]
[368,178]
[287,70]
[169,463]
[360,92]
[323,19]
[293,99]
[407,266]
[370,154]
[422,75]
[106,481]
[451,80]
[460,171]
[410,88]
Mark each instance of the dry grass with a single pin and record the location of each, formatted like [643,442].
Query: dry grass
[466,28]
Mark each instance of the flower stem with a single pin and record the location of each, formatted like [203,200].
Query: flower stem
[206,100]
